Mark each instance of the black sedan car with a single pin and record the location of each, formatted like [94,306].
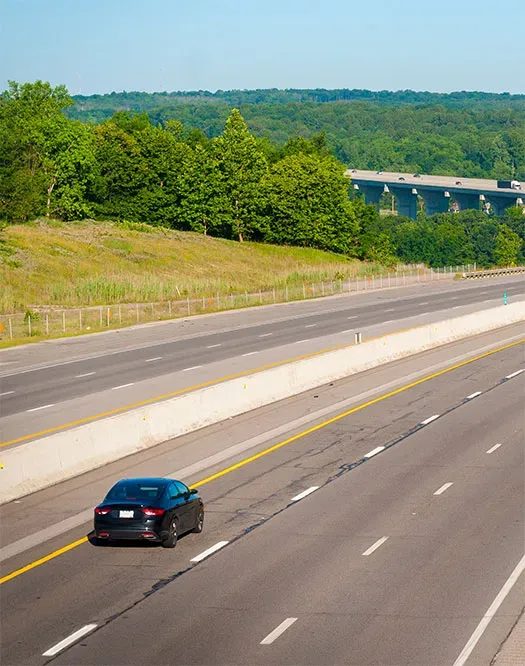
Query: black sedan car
[152,509]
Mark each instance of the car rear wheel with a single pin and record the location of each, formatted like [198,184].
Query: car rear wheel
[171,540]
[200,523]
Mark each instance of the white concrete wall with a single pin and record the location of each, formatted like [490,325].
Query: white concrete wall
[46,461]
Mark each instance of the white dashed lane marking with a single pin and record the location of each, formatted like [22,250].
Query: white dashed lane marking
[515,374]
[85,374]
[150,360]
[265,335]
[209,551]
[193,367]
[213,346]
[116,388]
[273,635]
[87,629]
[374,452]
[251,353]
[375,546]
[36,409]
[473,395]
[430,419]
[494,448]
[305,493]
[444,487]
[6,393]
[310,325]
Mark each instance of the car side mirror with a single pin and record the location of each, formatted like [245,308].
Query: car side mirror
[193,491]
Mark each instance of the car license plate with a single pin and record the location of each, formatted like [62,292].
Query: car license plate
[126,514]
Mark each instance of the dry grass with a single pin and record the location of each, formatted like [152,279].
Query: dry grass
[50,263]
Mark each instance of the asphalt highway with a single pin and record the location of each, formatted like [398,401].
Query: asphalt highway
[379,536]
[32,389]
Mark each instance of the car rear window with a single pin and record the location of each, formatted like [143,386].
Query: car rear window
[135,491]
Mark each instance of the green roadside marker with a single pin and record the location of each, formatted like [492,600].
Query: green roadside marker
[504,298]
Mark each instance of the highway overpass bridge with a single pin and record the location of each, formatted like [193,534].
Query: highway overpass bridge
[436,191]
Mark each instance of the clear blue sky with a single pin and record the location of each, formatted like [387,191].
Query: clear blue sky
[97,46]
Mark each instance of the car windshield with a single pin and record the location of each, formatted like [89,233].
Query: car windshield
[133,490]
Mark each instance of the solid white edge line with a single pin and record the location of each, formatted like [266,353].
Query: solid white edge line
[494,448]
[85,374]
[373,452]
[6,393]
[209,551]
[304,493]
[88,628]
[193,367]
[473,395]
[115,388]
[36,409]
[491,611]
[375,546]
[155,358]
[430,419]
[273,635]
[515,374]
[444,487]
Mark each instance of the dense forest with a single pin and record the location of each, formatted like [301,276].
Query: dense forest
[468,134]
[239,183]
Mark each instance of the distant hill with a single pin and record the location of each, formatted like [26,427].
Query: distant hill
[469,134]
[98,107]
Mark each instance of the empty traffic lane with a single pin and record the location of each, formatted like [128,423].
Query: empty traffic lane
[41,388]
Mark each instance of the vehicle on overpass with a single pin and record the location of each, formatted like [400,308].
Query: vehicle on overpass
[509,184]
[149,509]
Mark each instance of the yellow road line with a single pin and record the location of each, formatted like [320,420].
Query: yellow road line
[279,445]
[46,558]
[149,401]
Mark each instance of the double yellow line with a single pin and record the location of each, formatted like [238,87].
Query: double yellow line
[279,445]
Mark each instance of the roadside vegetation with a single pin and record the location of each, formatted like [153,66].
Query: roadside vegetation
[189,215]
[71,264]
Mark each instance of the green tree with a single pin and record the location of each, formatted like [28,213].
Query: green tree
[30,118]
[508,245]
[241,166]
[307,204]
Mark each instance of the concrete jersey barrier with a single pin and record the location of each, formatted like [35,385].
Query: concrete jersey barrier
[49,460]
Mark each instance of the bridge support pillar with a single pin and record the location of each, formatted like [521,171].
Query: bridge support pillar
[466,200]
[406,201]
[435,201]
[373,193]
[499,204]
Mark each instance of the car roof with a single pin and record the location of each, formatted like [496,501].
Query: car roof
[158,480]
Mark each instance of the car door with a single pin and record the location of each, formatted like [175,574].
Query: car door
[183,508]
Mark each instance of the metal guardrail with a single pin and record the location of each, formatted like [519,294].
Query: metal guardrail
[495,272]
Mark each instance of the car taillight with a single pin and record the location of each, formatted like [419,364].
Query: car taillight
[152,512]
[102,510]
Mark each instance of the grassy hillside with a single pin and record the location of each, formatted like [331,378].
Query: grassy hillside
[49,263]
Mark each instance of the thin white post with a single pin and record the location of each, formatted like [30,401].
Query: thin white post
[29,325]
[79,320]
[64,320]
[47,324]
[10,329]
[188,304]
